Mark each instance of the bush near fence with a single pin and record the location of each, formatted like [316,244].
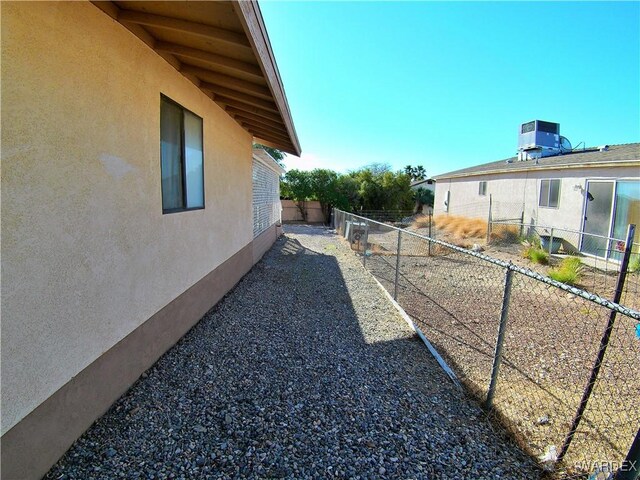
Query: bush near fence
[551,336]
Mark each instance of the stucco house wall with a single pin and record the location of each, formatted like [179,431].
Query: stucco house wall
[96,281]
[512,191]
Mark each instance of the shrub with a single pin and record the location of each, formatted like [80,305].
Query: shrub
[505,233]
[421,222]
[634,264]
[461,227]
[568,271]
[536,254]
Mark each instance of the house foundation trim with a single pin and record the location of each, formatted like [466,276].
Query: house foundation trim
[263,242]
[33,445]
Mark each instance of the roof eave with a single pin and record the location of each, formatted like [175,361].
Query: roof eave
[262,110]
[253,24]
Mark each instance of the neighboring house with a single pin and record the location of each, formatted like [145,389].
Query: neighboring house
[427,184]
[596,191]
[127,132]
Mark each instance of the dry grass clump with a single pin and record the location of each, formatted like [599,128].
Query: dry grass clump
[461,227]
[421,222]
[504,233]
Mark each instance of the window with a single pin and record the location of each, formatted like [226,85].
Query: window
[181,158]
[549,193]
[482,188]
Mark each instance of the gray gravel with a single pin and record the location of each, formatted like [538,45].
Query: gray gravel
[304,370]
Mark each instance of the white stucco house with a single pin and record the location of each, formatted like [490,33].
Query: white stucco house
[596,191]
[132,199]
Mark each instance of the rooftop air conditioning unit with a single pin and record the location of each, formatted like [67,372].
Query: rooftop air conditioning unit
[538,139]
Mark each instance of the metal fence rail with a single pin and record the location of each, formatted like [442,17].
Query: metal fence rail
[556,365]
[386,215]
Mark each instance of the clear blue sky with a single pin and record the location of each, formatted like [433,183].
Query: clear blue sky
[447,84]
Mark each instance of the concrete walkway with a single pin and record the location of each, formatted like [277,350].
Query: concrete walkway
[305,370]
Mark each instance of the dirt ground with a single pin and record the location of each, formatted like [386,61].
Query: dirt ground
[551,343]
[601,281]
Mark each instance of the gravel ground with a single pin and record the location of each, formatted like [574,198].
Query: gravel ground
[304,370]
[551,341]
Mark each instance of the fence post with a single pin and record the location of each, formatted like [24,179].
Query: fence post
[604,343]
[366,243]
[551,241]
[522,224]
[395,290]
[630,468]
[430,237]
[489,219]
[497,357]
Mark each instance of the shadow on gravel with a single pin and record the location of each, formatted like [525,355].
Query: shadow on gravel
[301,371]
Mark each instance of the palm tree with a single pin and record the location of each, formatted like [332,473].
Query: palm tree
[422,196]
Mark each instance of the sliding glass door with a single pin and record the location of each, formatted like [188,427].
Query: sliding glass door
[627,210]
[597,218]
[610,207]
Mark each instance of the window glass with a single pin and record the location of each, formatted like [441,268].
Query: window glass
[482,188]
[181,158]
[171,155]
[193,160]
[544,193]
[549,193]
[554,193]
[627,210]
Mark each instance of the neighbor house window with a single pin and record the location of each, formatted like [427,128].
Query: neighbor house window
[181,158]
[482,189]
[549,193]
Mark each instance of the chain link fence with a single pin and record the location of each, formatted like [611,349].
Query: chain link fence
[602,254]
[556,366]
[386,215]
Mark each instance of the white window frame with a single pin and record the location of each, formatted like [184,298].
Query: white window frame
[548,199]
[482,188]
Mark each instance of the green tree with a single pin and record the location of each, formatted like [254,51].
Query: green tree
[382,189]
[297,186]
[324,188]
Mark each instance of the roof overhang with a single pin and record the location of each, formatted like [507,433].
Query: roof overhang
[224,49]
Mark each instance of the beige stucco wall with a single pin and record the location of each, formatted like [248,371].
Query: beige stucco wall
[510,191]
[87,255]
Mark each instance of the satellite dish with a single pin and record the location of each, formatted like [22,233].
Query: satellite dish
[565,144]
